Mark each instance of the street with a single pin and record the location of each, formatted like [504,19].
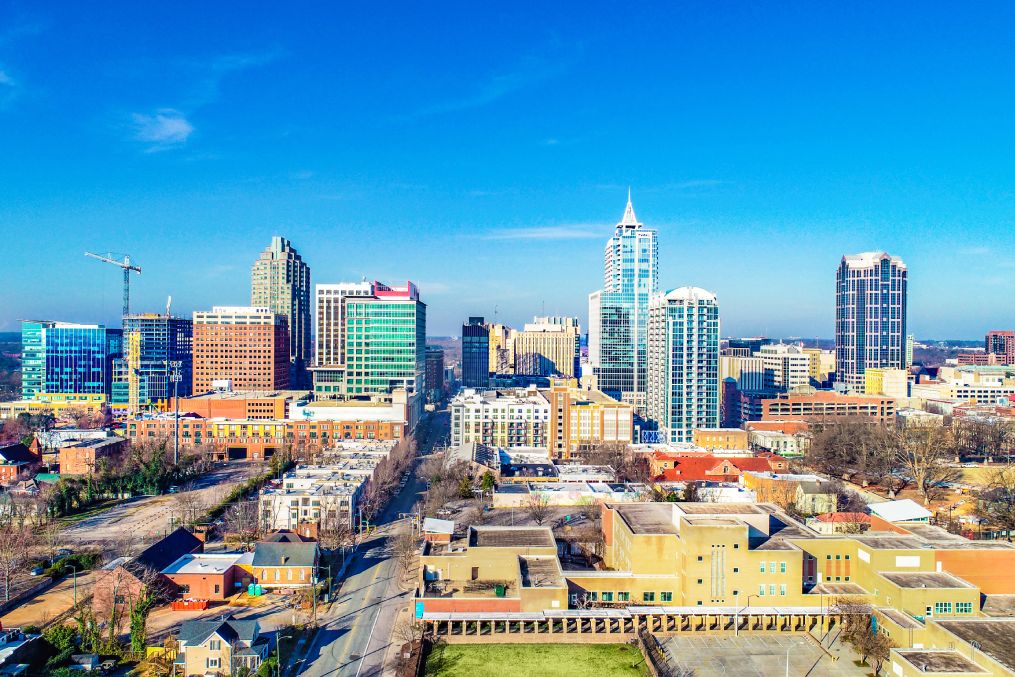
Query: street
[356,632]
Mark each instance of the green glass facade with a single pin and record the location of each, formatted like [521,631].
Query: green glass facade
[385,345]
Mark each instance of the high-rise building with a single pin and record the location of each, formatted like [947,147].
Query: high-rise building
[152,342]
[822,364]
[242,346]
[548,346]
[748,372]
[280,281]
[434,373]
[618,313]
[330,335]
[67,358]
[786,366]
[475,354]
[502,349]
[752,344]
[870,315]
[1002,344]
[683,362]
[910,341]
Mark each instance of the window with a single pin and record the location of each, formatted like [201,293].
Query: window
[648,597]
[761,590]
[623,597]
[736,570]
[736,546]
[700,581]
[700,558]
[665,596]
[782,589]
[215,645]
[184,589]
[607,596]
[942,608]
[762,567]
[594,596]
[963,607]
[771,589]
[211,662]
[217,588]
[782,567]
[771,567]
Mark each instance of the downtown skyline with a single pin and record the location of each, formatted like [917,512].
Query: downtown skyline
[758,175]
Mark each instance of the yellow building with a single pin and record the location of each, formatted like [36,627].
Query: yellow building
[548,346]
[719,438]
[884,381]
[220,647]
[502,349]
[583,419]
[822,363]
[54,403]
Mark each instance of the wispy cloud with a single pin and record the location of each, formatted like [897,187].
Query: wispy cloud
[165,128]
[213,71]
[582,231]
[527,72]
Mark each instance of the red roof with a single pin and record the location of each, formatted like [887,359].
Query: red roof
[696,468]
[839,517]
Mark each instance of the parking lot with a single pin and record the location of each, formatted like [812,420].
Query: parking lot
[757,656]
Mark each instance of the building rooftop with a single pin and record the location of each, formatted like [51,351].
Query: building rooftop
[945,660]
[541,572]
[995,636]
[247,395]
[900,618]
[647,518]
[838,589]
[720,508]
[903,510]
[203,564]
[924,579]
[999,605]
[511,537]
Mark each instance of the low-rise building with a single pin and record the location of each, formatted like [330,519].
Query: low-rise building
[720,438]
[840,523]
[790,446]
[220,647]
[716,468]
[84,457]
[806,494]
[15,459]
[283,565]
[208,576]
[887,381]
[824,407]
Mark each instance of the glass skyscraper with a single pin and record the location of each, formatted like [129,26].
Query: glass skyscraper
[618,313]
[62,357]
[161,339]
[683,362]
[475,354]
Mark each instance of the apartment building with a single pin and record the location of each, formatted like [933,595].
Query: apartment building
[501,418]
[582,419]
[711,439]
[785,367]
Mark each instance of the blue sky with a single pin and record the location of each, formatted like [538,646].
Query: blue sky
[485,152]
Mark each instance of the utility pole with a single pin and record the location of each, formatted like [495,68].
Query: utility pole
[175,376]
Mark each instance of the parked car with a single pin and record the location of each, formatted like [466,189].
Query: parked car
[107,666]
[64,552]
[37,571]
[174,489]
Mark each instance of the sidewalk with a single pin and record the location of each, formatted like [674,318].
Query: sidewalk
[58,600]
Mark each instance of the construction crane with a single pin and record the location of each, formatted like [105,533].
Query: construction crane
[127,267]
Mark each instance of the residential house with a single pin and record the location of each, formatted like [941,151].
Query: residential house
[15,459]
[220,647]
[283,565]
[699,468]
[840,523]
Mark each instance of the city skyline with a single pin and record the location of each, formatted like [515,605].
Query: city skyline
[755,157]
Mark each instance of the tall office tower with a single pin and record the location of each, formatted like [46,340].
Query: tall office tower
[683,362]
[152,342]
[752,344]
[549,346]
[475,354]
[618,313]
[330,336]
[502,349]
[748,372]
[870,316]
[1002,344]
[822,364]
[434,373]
[246,348]
[67,358]
[280,281]
[385,342]
[786,366]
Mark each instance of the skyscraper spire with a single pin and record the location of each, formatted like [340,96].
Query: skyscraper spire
[629,220]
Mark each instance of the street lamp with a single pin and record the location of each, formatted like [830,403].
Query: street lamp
[74,571]
[279,642]
[175,377]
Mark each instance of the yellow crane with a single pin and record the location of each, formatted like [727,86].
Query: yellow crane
[127,267]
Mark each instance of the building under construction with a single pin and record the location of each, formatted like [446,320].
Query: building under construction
[151,343]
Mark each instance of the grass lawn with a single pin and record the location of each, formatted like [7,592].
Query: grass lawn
[535,660]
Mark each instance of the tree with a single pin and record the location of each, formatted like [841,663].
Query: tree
[488,482]
[537,507]
[405,550]
[925,454]
[333,531]
[996,501]
[242,522]
[15,543]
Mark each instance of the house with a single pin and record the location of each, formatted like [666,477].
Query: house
[712,468]
[283,565]
[285,536]
[840,522]
[807,494]
[126,578]
[220,647]
[206,576]
[15,459]
[815,496]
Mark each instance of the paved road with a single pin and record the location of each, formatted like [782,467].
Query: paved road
[48,605]
[148,517]
[355,634]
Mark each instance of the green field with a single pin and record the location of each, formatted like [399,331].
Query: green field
[535,660]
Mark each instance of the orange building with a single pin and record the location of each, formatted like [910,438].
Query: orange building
[245,346]
[785,427]
[826,406]
[242,404]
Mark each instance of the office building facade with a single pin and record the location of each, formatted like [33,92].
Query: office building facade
[68,358]
[242,346]
[280,281]
[870,315]
[548,346]
[330,335]
[152,342]
[785,366]
[1001,344]
[618,313]
[683,362]
[475,354]
[434,373]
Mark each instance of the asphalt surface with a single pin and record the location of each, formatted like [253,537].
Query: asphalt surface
[356,633]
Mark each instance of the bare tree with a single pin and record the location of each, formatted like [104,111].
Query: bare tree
[537,507]
[242,523]
[405,550]
[996,501]
[15,543]
[188,505]
[333,531]
[925,454]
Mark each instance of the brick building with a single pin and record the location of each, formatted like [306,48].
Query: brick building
[82,457]
[245,346]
